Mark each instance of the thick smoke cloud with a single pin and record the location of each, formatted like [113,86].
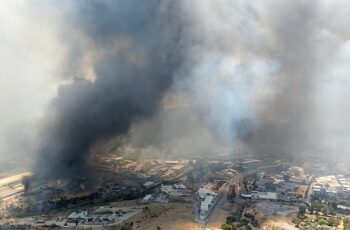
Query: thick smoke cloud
[304,37]
[263,75]
[139,52]
[288,114]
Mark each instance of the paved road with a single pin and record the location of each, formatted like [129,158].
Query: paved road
[309,194]
[222,201]
[223,192]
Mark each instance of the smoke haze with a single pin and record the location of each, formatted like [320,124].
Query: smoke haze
[187,77]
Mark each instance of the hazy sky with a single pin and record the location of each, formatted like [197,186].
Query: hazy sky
[30,54]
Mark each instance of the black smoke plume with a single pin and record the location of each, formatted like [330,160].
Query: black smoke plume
[141,52]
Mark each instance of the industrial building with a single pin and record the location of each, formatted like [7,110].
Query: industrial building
[208,199]
[260,195]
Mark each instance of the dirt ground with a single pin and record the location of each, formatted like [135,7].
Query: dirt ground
[282,224]
[282,219]
[173,216]
[217,218]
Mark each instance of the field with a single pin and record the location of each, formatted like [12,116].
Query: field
[174,216]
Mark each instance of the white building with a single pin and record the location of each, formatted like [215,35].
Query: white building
[342,207]
[147,198]
[148,184]
[206,204]
[208,200]
[204,192]
[179,187]
[77,215]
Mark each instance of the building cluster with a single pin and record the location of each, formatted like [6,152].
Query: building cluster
[144,169]
[336,187]
[345,186]
[100,216]
[166,192]
[326,186]
[176,190]
[276,182]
